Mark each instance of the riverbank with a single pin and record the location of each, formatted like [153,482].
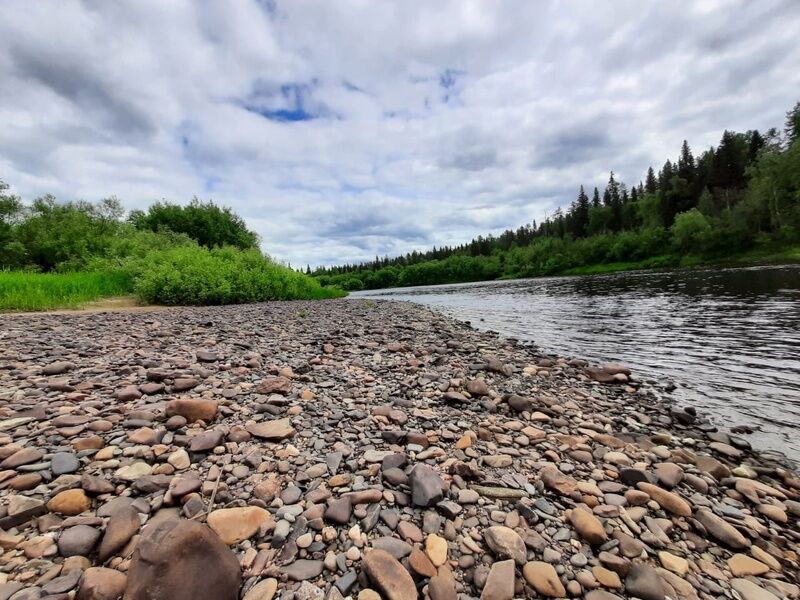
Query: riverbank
[342,445]
[753,258]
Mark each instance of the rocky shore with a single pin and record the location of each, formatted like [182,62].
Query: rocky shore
[362,449]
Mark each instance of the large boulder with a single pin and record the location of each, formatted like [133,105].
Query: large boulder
[179,559]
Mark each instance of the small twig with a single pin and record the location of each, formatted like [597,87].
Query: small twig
[214,493]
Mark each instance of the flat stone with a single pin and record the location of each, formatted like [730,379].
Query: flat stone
[555,480]
[421,564]
[339,511]
[78,540]
[21,457]
[208,440]
[542,577]
[721,530]
[500,582]
[62,584]
[389,576]
[275,385]
[669,474]
[303,569]
[121,527]
[275,431]
[133,471]
[673,563]
[669,501]
[750,591]
[644,582]
[234,525]
[436,549]
[64,462]
[263,590]
[427,488]
[588,526]
[193,409]
[506,543]
[57,368]
[742,565]
[442,587]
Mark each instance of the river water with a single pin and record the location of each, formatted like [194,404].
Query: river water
[728,338]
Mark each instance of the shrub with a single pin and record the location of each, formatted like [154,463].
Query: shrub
[196,275]
[690,231]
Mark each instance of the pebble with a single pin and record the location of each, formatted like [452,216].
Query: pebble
[370,451]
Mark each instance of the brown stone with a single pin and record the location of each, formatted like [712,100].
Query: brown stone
[70,502]
[542,577]
[421,564]
[442,587]
[588,526]
[506,543]
[669,501]
[742,565]
[500,582]
[275,385]
[721,530]
[389,576]
[179,559]
[122,526]
[99,583]
[234,525]
[557,481]
[22,457]
[274,431]
[606,577]
[193,409]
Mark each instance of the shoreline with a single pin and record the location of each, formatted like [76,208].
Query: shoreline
[333,428]
[747,260]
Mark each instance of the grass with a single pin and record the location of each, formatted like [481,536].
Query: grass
[24,291]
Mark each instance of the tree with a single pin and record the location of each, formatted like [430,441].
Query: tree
[650,185]
[596,198]
[205,222]
[11,252]
[686,163]
[581,214]
[792,128]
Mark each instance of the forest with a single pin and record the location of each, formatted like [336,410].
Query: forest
[738,201]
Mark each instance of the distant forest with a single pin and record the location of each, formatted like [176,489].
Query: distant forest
[738,197]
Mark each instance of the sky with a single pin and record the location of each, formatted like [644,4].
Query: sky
[349,129]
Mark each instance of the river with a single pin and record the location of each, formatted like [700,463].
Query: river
[728,338]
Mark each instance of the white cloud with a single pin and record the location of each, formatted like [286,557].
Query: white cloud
[433,122]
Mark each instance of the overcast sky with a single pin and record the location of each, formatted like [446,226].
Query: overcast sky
[341,130]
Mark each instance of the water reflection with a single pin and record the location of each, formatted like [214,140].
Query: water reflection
[729,338]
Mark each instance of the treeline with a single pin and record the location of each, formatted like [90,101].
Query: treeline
[742,194]
[198,253]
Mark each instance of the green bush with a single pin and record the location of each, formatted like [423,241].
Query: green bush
[197,275]
[691,231]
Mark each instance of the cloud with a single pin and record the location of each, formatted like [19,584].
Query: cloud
[341,131]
